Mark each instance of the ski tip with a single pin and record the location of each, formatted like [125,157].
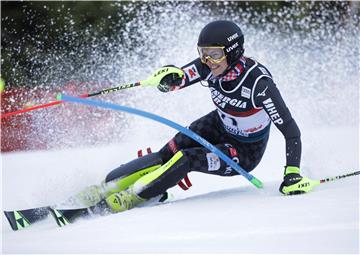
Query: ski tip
[16,220]
[11,219]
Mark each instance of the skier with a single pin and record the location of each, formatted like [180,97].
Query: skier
[247,101]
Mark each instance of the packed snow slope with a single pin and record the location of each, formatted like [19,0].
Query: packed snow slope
[217,214]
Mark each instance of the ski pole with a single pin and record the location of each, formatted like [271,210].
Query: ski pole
[101,92]
[152,81]
[329,179]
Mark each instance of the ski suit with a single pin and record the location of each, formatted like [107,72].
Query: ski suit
[246,104]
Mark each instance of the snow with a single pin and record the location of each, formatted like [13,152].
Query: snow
[218,214]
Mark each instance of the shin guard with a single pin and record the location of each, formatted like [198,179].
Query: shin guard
[122,177]
[163,178]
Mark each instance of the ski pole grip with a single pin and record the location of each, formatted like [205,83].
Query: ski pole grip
[155,79]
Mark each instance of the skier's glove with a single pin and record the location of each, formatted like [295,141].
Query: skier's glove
[165,78]
[170,82]
[294,183]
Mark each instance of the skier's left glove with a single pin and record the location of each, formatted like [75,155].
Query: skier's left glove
[165,78]
[294,183]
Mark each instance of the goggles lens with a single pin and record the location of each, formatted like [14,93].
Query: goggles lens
[214,54]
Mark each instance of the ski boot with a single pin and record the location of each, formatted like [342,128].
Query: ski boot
[123,200]
[89,196]
[119,179]
[93,194]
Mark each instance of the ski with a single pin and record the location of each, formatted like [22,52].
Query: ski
[65,217]
[21,219]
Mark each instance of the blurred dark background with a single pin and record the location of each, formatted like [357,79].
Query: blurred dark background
[31,31]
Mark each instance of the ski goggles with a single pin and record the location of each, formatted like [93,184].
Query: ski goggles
[215,54]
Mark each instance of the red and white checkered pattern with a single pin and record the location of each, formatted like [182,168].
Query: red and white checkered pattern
[236,71]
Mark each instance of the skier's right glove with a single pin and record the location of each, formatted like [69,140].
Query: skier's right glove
[294,183]
[170,82]
[165,78]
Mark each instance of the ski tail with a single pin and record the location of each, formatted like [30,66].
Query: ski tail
[21,219]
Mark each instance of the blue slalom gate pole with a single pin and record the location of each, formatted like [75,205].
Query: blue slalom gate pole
[169,123]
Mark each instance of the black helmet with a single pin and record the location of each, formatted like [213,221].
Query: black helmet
[226,34]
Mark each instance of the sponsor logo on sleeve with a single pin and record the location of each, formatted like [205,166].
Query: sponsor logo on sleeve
[192,72]
[272,111]
[262,94]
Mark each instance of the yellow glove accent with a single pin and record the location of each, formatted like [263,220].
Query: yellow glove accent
[155,79]
[303,186]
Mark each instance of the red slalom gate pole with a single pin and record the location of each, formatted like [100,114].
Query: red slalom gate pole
[101,92]
[5,115]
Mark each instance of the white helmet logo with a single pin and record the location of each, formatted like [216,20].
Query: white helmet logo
[233,37]
[235,45]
